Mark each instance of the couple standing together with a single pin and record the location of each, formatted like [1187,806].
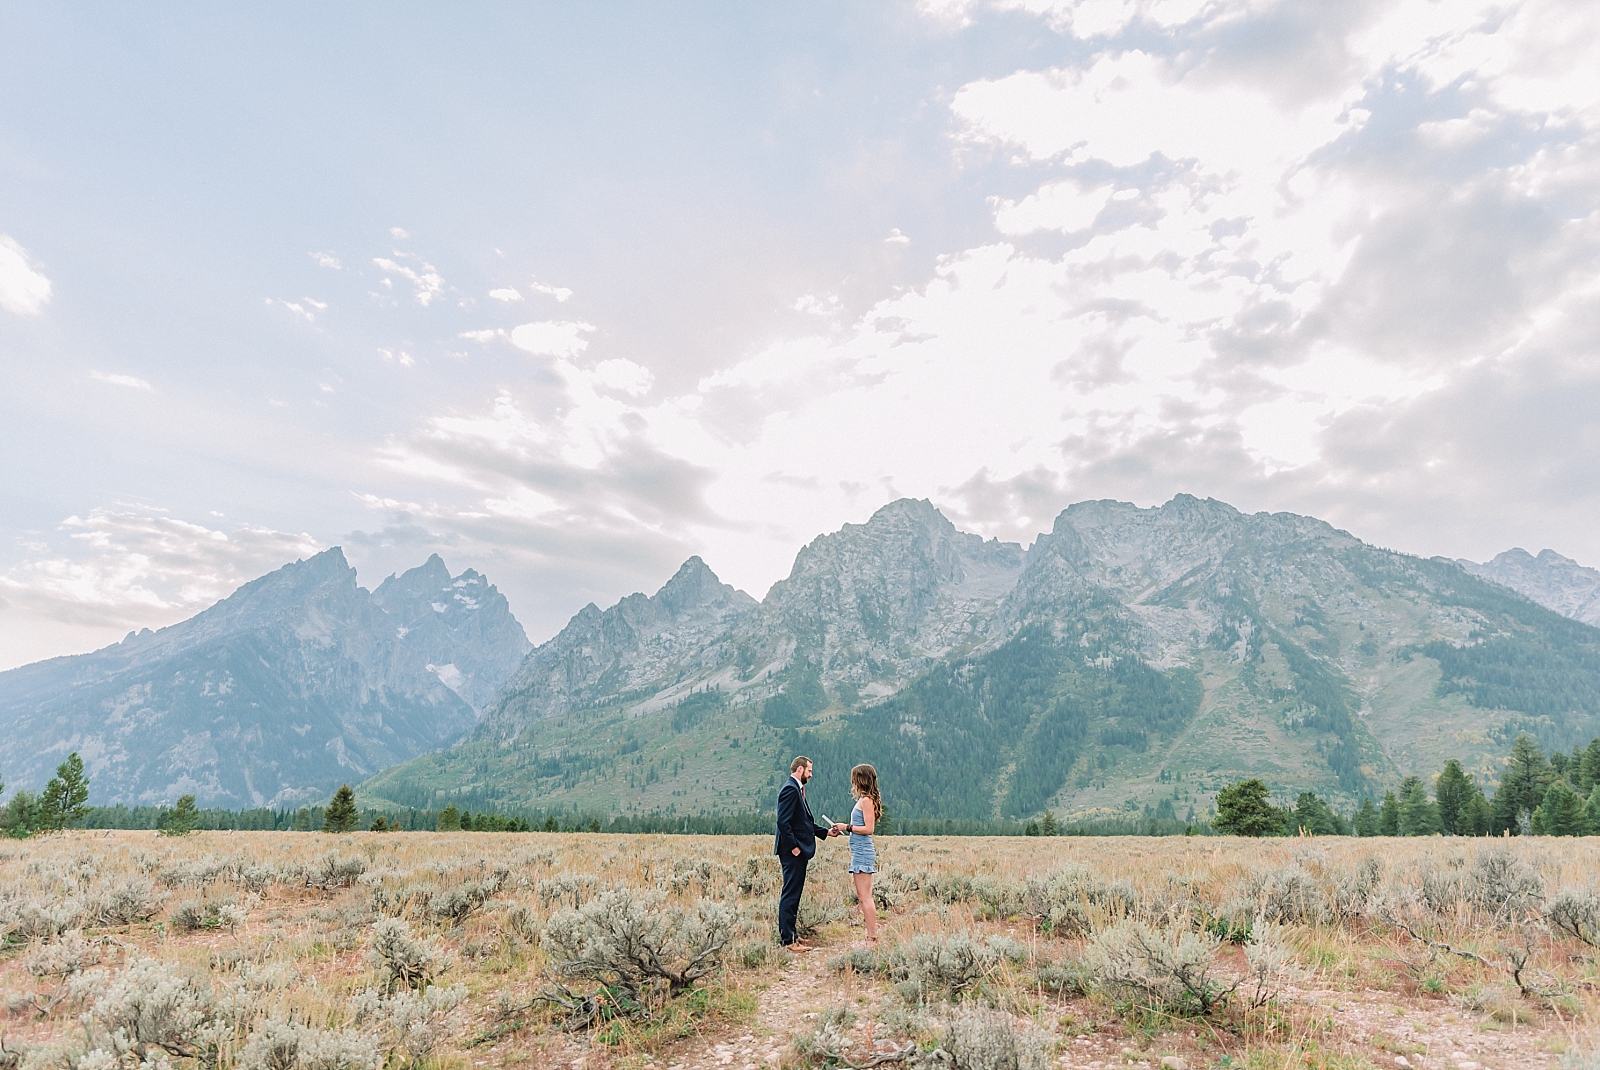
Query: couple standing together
[797,842]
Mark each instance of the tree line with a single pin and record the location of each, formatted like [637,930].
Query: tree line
[1537,795]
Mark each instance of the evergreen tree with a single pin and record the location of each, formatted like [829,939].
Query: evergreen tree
[1589,768]
[1367,818]
[1243,809]
[1453,788]
[302,820]
[1389,817]
[1477,818]
[20,818]
[340,816]
[1317,817]
[65,799]
[1418,815]
[449,819]
[1522,787]
[379,824]
[182,818]
[1047,827]
[1591,813]
[1561,813]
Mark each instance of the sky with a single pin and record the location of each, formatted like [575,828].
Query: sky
[569,293]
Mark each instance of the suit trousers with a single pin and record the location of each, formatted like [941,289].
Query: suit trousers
[794,883]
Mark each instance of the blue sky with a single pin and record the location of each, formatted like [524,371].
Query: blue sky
[568,294]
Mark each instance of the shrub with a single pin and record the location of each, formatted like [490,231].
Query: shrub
[414,1022]
[1501,884]
[1576,913]
[573,887]
[826,1041]
[152,1003]
[281,1045]
[454,904]
[990,1040]
[1287,893]
[956,964]
[330,871]
[1167,970]
[626,941]
[134,899]
[63,958]
[409,962]
[193,914]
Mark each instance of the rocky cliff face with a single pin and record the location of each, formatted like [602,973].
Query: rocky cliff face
[1130,656]
[296,682]
[1553,581]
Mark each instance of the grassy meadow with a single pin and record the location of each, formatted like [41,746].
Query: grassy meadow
[278,951]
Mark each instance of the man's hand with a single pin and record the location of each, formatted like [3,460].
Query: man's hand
[833,832]
[795,852]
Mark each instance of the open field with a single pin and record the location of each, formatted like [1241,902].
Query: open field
[276,951]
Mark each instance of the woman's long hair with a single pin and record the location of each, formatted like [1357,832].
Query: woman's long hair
[864,779]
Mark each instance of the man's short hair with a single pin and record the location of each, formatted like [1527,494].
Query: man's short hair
[794,766]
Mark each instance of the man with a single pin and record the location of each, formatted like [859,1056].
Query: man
[796,843]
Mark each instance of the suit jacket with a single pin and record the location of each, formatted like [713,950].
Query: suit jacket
[796,827]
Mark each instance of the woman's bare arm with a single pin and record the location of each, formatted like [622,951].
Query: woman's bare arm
[868,816]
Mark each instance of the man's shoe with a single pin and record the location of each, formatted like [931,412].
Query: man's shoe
[798,948]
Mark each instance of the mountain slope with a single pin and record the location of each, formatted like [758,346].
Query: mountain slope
[1129,656]
[1553,581]
[273,696]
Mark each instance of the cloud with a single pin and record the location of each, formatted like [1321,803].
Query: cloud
[23,288]
[506,294]
[896,238]
[121,566]
[399,233]
[623,375]
[400,357]
[552,339]
[327,260]
[120,380]
[560,293]
[426,280]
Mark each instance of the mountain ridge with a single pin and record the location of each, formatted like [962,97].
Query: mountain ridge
[272,696]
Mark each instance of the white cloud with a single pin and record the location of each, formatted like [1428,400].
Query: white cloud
[400,357]
[552,338]
[506,294]
[1056,206]
[124,567]
[399,233]
[485,335]
[120,380]
[426,280]
[623,375]
[560,293]
[23,288]
[896,238]
[327,260]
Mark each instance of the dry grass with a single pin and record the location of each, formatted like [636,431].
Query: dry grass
[275,951]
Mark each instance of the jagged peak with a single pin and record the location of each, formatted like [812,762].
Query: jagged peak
[694,585]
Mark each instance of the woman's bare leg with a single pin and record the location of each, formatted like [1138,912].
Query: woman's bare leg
[869,909]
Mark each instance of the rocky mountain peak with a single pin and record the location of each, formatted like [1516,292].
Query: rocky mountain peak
[694,585]
[1550,579]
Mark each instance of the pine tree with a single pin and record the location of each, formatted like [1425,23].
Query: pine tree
[1591,813]
[1418,815]
[551,824]
[1589,768]
[1477,818]
[340,816]
[65,798]
[1453,789]
[1389,817]
[182,818]
[1243,809]
[379,824]
[449,819]
[1522,788]
[1047,827]
[1367,818]
[1561,813]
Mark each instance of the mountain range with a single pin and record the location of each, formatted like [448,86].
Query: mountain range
[297,682]
[1129,657]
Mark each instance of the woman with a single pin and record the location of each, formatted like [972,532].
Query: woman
[863,858]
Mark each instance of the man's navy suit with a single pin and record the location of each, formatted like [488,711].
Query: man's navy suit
[796,828]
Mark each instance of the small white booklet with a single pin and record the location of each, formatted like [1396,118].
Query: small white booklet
[826,820]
